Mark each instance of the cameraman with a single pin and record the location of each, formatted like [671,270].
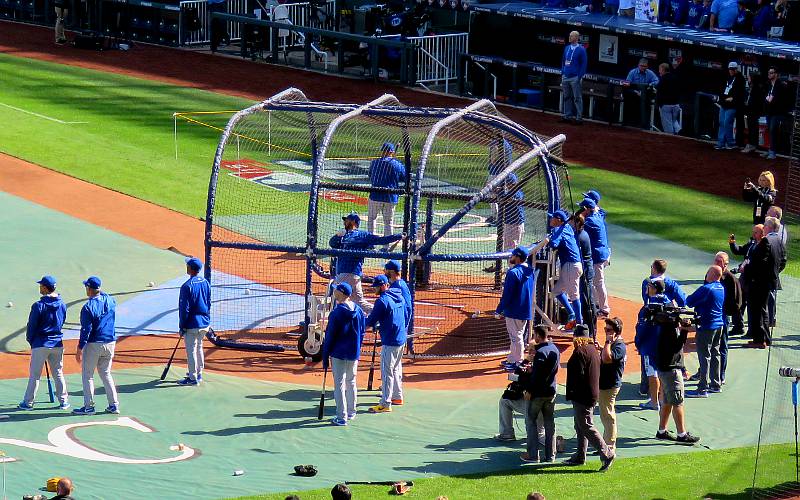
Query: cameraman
[540,394]
[646,342]
[514,399]
[708,301]
[671,339]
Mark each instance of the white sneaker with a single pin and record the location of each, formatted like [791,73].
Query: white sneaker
[748,149]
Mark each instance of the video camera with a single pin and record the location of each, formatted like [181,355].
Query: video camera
[669,315]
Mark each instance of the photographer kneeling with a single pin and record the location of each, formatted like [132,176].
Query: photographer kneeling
[514,399]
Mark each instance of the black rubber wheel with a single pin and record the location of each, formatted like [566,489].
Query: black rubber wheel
[308,348]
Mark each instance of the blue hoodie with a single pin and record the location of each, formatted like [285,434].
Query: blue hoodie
[595,227]
[356,239]
[562,238]
[389,313]
[672,291]
[45,321]
[194,304]
[401,285]
[344,334]
[386,172]
[707,302]
[97,320]
[514,209]
[646,339]
[517,298]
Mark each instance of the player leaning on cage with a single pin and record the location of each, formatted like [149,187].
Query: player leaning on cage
[567,288]
[384,172]
[194,308]
[348,267]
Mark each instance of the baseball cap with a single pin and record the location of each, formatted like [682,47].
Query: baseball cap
[592,195]
[380,280]
[521,252]
[47,281]
[580,331]
[587,203]
[512,177]
[392,265]
[194,263]
[92,282]
[559,214]
[388,147]
[733,65]
[345,288]
[353,217]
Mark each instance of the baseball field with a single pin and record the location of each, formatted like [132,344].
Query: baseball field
[96,177]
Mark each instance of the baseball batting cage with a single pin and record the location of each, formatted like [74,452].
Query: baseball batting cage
[473,185]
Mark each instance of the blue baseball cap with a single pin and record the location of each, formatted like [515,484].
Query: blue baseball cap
[388,147]
[194,263]
[92,282]
[521,252]
[593,195]
[47,281]
[345,288]
[392,265]
[559,214]
[380,280]
[587,203]
[353,217]
[512,177]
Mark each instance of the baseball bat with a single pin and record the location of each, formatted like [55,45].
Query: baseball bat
[169,363]
[49,382]
[372,363]
[322,395]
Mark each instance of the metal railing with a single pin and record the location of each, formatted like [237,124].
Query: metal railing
[438,58]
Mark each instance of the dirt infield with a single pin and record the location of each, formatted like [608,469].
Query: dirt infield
[164,228]
[652,156]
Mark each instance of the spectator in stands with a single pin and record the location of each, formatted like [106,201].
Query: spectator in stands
[705,18]
[573,67]
[753,108]
[667,100]
[540,396]
[612,366]
[723,15]
[218,27]
[744,19]
[611,7]
[341,492]
[763,18]
[694,15]
[627,8]
[762,196]
[641,75]
[61,15]
[639,82]
[731,99]
[708,301]
[64,489]
[678,9]
[744,270]
[782,14]
[777,107]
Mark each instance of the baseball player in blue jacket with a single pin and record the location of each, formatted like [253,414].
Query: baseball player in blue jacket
[515,304]
[96,346]
[194,315]
[567,288]
[44,336]
[343,337]
[390,316]
[501,153]
[348,267]
[672,290]
[384,172]
[595,227]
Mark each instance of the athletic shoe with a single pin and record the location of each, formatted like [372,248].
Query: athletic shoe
[113,409]
[764,154]
[397,402]
[380,409]
[717,147]
[84,410]
[187,381]
[602,314]
[64,406]
[687,439]
[61,41]
[649,406]
[665,436]
[771,156]
[573,461]
[732,147]
[338,421]
[528,459]
[722,381]
[501,437]
[352,416]
[606,462]
[715,389]
[697,394]
[748,149]
[24,406]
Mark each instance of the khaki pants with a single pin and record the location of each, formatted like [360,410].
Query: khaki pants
[61,14]
[195,358]
[608,415]
[98,356]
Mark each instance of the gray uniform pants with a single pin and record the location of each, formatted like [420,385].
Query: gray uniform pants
[195,359]
[391,373]
[357,296]
[98,356]
[386,209]
[55,357]
[587,432]
[542,412]
[344,386]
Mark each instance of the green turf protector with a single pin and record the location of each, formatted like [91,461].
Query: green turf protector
[39,241]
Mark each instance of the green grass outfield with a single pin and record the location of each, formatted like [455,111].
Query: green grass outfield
[127,145]
[716,474]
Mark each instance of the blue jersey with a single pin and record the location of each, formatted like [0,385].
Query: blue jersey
[595,227]
[390,316]
[98,316]
[517,299]
[514,210]
[562,238]
[194,304]
[356,239]
[386,172]
[707,302]
[344,334]
[672,292]
[500,154]
[678,11]
[401,285]
[45,321]
[695,14]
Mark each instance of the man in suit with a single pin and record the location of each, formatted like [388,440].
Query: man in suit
[767,260]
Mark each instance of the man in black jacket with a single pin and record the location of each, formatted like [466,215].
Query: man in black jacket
[767,261]
[587,278]
[583,389]
[540,393]
[745,251]
[731,99]
[777,105]
[668,96]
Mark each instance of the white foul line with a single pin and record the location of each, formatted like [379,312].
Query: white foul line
[38,115]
